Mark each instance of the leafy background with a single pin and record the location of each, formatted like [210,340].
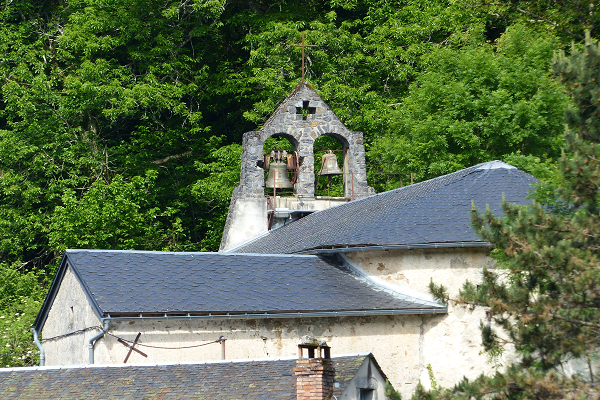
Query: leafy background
[121,120]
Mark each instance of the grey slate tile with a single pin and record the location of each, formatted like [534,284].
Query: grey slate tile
[252,380]
[221,283]
[434,211]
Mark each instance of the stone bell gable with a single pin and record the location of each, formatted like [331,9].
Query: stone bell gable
[301,118]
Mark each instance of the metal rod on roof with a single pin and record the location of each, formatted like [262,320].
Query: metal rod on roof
[222,340]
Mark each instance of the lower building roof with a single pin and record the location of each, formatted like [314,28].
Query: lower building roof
[268,379]
[155,284]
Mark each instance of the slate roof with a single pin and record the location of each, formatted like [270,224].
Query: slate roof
[134,282]
[434,213]
[254,379]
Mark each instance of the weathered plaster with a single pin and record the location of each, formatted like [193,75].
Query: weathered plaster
[70,312]
[247,219]
[415,268]
[451,343]
[393,340]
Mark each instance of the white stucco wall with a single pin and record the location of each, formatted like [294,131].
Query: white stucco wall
[394,340]
[450,344]
[247,219]
[70,312]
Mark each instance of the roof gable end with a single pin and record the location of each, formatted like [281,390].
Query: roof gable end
[294,110]
[65,265]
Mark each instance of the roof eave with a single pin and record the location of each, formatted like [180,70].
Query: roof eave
[355,248]
[267,315]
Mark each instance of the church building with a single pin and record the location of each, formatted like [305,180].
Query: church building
[350,271]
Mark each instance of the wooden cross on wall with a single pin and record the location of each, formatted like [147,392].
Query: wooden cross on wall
[132,347]
[303,46]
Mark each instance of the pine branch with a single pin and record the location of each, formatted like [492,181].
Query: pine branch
[576,321]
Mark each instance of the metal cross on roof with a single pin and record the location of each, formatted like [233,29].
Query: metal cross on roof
[303,46]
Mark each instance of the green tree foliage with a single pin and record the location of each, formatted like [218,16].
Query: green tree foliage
[475,104]
[569,19]
[22,296]
[545,295]
[390,392]
[366,54]
[219,175]
[120,121]
[101,97]
[115,215]
[97,94]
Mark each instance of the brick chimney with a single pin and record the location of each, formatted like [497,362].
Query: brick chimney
[314,374]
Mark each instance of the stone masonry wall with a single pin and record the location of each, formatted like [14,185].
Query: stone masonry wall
[301,132]
[247,215]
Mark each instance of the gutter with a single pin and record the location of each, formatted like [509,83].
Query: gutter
[93,340]
[321,314]
[349,249]
[39,345]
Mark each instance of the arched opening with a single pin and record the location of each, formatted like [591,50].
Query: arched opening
[325,184]
[281,171]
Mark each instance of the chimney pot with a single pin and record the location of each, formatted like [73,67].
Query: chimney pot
[315,375]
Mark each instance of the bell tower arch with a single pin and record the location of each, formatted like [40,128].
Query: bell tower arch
[301,118]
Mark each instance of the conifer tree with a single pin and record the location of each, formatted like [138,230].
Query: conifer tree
[544,297]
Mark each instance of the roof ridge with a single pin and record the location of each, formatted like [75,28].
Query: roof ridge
[380,219]
[201,253]
[413,187]
[160,364]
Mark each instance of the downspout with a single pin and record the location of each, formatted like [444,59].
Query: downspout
[39,345]
[98,336]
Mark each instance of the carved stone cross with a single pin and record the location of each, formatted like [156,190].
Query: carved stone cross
[305,110]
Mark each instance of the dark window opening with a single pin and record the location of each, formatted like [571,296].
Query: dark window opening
[367,394]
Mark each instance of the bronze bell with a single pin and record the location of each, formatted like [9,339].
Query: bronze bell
[278,177]
[329,165]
